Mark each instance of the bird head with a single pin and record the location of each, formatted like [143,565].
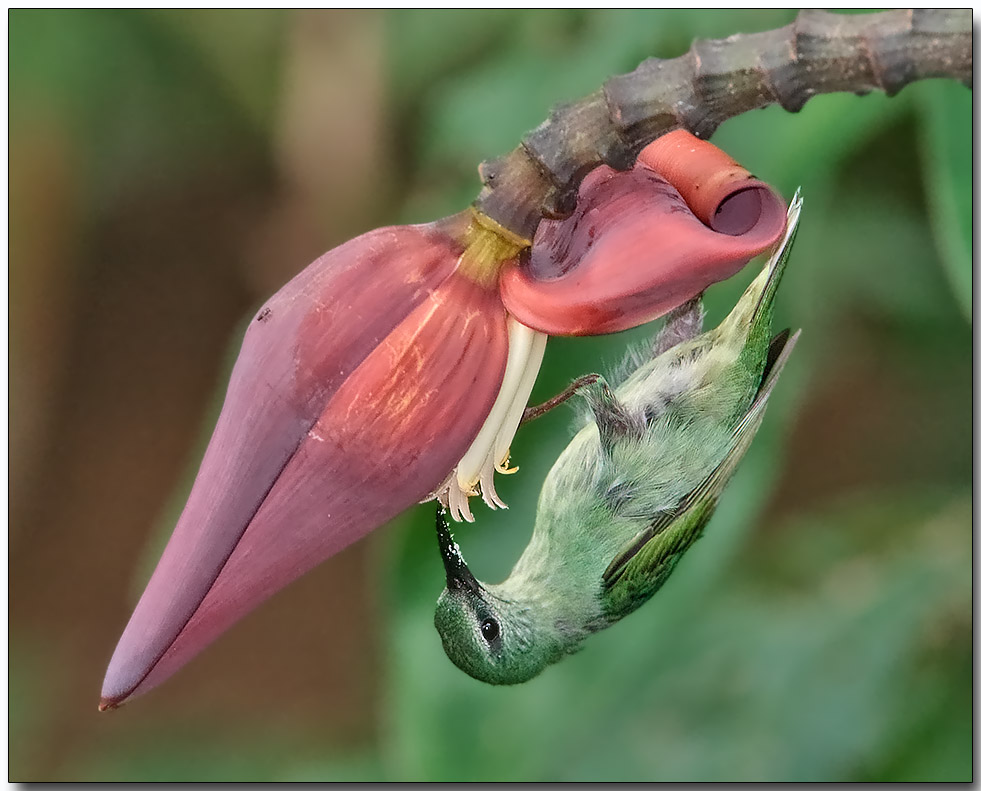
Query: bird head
[486,633]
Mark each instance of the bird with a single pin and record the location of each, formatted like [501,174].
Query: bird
[632,491]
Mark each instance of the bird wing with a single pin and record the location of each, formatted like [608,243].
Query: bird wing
[647,560]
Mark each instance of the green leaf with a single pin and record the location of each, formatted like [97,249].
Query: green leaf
[946,146]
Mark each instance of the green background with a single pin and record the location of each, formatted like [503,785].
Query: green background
[169,170]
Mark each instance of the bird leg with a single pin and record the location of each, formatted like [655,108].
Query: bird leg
[533,412]
[613,420]
[682,324]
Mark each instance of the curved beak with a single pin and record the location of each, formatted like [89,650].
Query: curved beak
[458,576]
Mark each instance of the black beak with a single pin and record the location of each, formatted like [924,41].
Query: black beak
[458,576]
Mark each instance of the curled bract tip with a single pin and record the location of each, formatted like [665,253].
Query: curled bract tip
[644,241]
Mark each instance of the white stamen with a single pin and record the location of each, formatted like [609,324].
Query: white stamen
[491,448]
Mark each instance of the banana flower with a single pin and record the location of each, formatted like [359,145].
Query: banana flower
[396,368]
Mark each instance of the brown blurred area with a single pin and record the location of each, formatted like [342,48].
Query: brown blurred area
[124,309]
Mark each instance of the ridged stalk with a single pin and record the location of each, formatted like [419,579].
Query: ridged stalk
[716,80]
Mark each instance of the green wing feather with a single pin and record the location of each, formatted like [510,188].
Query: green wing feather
[648,559]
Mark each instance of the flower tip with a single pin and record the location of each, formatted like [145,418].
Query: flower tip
[108,704]
[112,697]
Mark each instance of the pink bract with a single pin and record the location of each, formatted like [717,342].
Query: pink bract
[644,241]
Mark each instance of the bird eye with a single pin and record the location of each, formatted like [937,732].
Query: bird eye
[490,629]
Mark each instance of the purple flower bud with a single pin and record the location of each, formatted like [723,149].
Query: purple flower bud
[359,386]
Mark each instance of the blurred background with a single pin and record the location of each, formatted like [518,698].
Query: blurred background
[169,170]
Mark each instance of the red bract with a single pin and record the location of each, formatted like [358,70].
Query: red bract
[359,385]
[643,242]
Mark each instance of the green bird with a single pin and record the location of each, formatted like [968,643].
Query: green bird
[629,495]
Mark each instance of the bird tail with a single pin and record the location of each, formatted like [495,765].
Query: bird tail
[752,312]
[778,261]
